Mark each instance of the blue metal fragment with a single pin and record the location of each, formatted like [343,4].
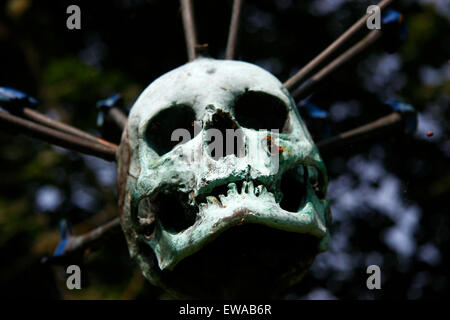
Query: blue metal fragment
[312,110]
[116,100]
[407,111]
[394,30]
[14,100]
[65,232]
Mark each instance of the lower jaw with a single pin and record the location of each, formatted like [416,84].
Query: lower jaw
[247,247]
[248,261]
[172,248]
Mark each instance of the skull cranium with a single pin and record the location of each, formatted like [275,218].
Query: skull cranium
[243,224]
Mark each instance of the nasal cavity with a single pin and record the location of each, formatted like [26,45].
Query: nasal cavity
[224,137]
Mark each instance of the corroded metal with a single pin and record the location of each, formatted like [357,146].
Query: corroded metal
[300,76]
[98,147]
[234,30]
[306,88]
[381,127]
[187,11]
[218,195]
[77,245]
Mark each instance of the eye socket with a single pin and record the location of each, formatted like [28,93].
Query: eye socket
[261,111]
[160,129]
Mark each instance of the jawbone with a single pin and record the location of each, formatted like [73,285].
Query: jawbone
[250,206]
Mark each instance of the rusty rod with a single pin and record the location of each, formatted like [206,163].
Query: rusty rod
[189,28]
[300,75]
[234,30]
[49,122]
[88,239]
[116,116]
[305,89]
[79,244]
[383,126]
[99,148]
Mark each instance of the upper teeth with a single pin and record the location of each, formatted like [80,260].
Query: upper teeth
[232,188]
[260,190]
[248,187]
[305,174]
[213,200]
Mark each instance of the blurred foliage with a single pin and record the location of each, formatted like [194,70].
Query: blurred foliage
[388,196]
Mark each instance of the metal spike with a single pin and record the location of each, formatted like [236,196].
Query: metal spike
[189,28]
[296,79]
[234,30]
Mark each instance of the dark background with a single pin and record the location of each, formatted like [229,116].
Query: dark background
[389,198]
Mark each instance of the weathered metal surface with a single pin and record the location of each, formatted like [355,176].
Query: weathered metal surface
[187,11]
[301,75]
[179,201]
[75,246]
[98,147]
[233,34]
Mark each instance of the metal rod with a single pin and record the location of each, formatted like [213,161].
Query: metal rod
[382,126]
[99,148]
[305,89]
[78,244]
[43,119]
[189,28]
[117,117]
[234,30]
[300,75]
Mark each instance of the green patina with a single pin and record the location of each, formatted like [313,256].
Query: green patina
[179,204]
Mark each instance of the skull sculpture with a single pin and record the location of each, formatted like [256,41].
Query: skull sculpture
[245,224]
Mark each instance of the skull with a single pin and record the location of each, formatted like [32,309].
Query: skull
[200,222]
